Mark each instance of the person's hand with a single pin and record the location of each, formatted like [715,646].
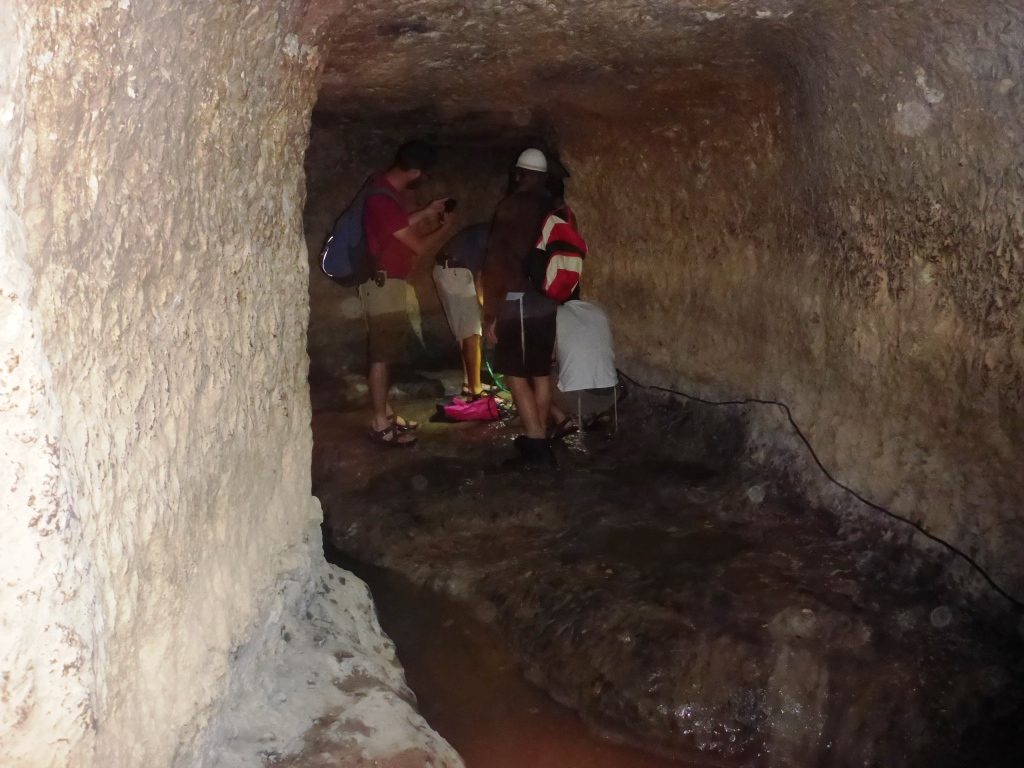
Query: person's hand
[490,332]
[437,207]
[449,221]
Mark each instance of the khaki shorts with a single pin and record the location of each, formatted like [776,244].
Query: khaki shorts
[391,313]
[457,290]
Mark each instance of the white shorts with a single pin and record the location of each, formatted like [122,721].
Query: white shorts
[457,289]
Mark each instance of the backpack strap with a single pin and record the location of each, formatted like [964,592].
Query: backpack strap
[372,191]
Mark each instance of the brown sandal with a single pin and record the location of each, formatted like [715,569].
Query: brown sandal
[392,436]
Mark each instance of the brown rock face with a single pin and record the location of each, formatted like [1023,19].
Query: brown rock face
[818,202]
[158,531]
[156,155]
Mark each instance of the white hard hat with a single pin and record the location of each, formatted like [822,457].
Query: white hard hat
[532,160]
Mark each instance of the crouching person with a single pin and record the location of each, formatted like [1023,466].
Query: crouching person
[555,268]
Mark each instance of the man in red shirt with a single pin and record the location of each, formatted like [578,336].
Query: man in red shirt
[396,239]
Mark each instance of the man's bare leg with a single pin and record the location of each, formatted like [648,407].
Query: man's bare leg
[465,367]
[379,384]
[471,363]
[557,415]
[542,394]
[526,404]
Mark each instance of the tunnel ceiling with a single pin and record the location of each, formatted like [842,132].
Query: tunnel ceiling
[505,61]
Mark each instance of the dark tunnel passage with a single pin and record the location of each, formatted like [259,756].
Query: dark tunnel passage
[787,533]
[782,205]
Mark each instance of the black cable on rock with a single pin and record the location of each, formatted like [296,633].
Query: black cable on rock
[1018,604]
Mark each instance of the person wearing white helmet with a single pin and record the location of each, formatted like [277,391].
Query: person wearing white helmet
[532,160]
[518,320]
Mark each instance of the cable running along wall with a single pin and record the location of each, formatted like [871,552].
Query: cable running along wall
[954,550]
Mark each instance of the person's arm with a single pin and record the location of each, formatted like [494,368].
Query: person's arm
[429,213]
[427,245]
[499,244]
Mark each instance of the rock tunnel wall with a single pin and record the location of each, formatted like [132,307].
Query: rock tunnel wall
[813,202]
[838,227]
[847,237]
[154,408]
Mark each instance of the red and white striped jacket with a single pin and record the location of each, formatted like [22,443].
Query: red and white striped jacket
[562,250]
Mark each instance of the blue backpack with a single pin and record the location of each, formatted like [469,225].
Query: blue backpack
[346,257]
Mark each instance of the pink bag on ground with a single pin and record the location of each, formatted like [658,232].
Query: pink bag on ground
[482,409]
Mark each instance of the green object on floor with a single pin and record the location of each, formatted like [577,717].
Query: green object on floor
[496,378]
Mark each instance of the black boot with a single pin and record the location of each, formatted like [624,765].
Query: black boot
[534,453]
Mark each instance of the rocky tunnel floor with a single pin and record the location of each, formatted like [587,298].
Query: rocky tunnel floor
[678,598]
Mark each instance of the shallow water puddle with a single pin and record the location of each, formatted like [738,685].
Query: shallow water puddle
[470,690]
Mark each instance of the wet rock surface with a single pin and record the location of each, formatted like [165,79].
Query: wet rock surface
[469,687]
[320,686]
[672,594]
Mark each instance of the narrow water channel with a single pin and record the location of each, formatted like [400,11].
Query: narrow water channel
[470,690]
